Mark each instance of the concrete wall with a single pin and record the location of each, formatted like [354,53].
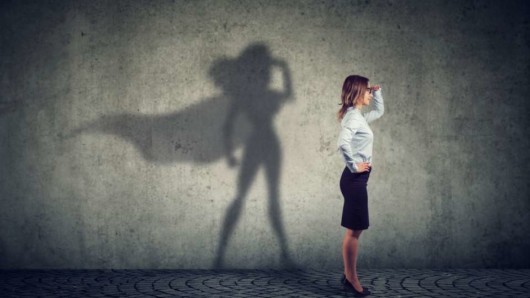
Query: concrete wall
[115,121]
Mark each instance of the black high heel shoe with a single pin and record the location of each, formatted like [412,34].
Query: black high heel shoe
[347,284]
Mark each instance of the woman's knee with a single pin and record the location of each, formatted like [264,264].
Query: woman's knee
[354,233]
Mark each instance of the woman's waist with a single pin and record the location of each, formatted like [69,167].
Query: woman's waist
[348,172]
[359,157]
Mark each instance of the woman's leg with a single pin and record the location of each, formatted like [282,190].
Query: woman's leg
[350,245]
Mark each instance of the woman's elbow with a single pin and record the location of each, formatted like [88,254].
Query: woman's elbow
[381,111]
[343,148]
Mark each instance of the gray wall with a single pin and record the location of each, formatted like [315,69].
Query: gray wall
[115,117]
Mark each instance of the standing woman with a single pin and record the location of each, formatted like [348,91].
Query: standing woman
[355,146]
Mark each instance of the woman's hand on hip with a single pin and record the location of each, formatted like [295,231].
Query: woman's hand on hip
[363,167]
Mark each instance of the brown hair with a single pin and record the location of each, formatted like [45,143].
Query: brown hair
[354,87]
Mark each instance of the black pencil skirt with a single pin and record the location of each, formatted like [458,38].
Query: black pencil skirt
[355,209]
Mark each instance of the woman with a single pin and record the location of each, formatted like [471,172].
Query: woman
[355,146]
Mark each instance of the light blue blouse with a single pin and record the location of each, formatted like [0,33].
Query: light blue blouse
[356,138]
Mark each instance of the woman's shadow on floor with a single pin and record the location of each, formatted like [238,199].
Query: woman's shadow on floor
[211,129]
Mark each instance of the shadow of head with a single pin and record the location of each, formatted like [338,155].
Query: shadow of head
[248,73]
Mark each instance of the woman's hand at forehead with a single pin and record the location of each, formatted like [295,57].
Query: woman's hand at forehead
[375,87]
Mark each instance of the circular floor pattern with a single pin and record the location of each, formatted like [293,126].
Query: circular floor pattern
[262,283]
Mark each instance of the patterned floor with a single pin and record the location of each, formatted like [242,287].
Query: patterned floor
[261,283]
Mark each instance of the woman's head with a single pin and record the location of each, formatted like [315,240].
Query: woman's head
[355,92]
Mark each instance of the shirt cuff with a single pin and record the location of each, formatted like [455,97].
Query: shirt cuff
[352,167]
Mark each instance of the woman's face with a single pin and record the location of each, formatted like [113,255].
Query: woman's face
[367,96]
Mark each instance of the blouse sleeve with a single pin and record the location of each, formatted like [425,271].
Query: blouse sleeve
[378,107]
[344,143]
